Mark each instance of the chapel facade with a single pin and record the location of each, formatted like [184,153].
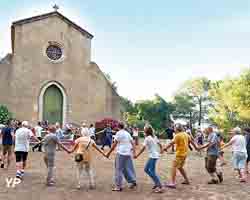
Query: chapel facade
[50,76]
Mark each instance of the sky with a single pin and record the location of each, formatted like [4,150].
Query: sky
[152,47]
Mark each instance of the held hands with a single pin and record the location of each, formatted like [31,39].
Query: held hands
[107,155]
[162,151]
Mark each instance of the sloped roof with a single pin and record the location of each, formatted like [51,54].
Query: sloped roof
[52,14]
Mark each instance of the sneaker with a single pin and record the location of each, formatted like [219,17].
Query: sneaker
[220,177]
[92,187]
[133,186]
[116,189]
[2,165]
[158,190]
[155,186]
[50,184]
[78,187]
[242,180]
[213,181]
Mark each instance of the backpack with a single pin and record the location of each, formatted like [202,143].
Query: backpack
[79,156]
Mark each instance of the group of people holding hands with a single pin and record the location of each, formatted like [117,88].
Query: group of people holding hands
[126,151]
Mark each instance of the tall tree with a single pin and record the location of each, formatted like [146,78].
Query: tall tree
[184,108]
[197,89]
[231,104]
[156,112]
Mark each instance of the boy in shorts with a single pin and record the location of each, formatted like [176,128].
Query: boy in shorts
[182,141]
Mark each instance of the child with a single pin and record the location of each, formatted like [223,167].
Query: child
[50,143]
[151,143]
[182,141]
[238,143]
[83,158]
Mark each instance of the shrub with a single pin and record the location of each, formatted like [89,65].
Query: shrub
[5,114]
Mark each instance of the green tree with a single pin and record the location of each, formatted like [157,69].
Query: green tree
[5,115]
[185,108]
[197,89]
[157,111]
[231,104]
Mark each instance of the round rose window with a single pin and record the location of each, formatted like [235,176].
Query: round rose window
[54,52]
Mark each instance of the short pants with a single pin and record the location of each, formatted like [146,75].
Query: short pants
[21,156]
[180,161]
[7,149]
[210,163]
[239,160]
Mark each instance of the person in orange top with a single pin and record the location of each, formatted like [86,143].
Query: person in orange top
[83,158]
[182,141]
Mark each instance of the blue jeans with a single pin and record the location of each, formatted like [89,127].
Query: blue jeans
[107,141]
[150,170]
[239,160]
[124,167]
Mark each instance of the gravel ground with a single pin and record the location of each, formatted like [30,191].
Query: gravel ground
[33,186]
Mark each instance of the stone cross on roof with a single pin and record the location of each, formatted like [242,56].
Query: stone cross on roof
[56,7]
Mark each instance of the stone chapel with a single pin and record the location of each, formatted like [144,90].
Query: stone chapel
[50,76]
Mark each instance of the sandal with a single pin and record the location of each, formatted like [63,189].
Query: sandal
[185,183]
[213,182]
[158,190]
[171,185]
[115,189]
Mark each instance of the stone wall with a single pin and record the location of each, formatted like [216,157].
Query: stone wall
[89,95]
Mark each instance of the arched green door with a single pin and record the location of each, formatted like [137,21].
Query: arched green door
[53,104]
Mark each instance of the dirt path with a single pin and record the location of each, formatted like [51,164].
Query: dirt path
[33,187]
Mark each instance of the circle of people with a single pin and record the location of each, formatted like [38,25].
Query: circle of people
[179,139]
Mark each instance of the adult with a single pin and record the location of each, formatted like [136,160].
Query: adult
[182,141]
[92,131]
[1,145]
[59,131]
[136,135]
[239,150]
[123,162]
[213,148]
[170,136]
[22,140]
[38,132]
[83,158]
[107,136]
[85,129]
[247,136]
[50,143]
[151,143]
[7,142]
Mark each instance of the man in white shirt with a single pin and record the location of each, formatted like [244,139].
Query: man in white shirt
[22,140]
[85,129]
[123,162]
[38,130]
[92,131]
